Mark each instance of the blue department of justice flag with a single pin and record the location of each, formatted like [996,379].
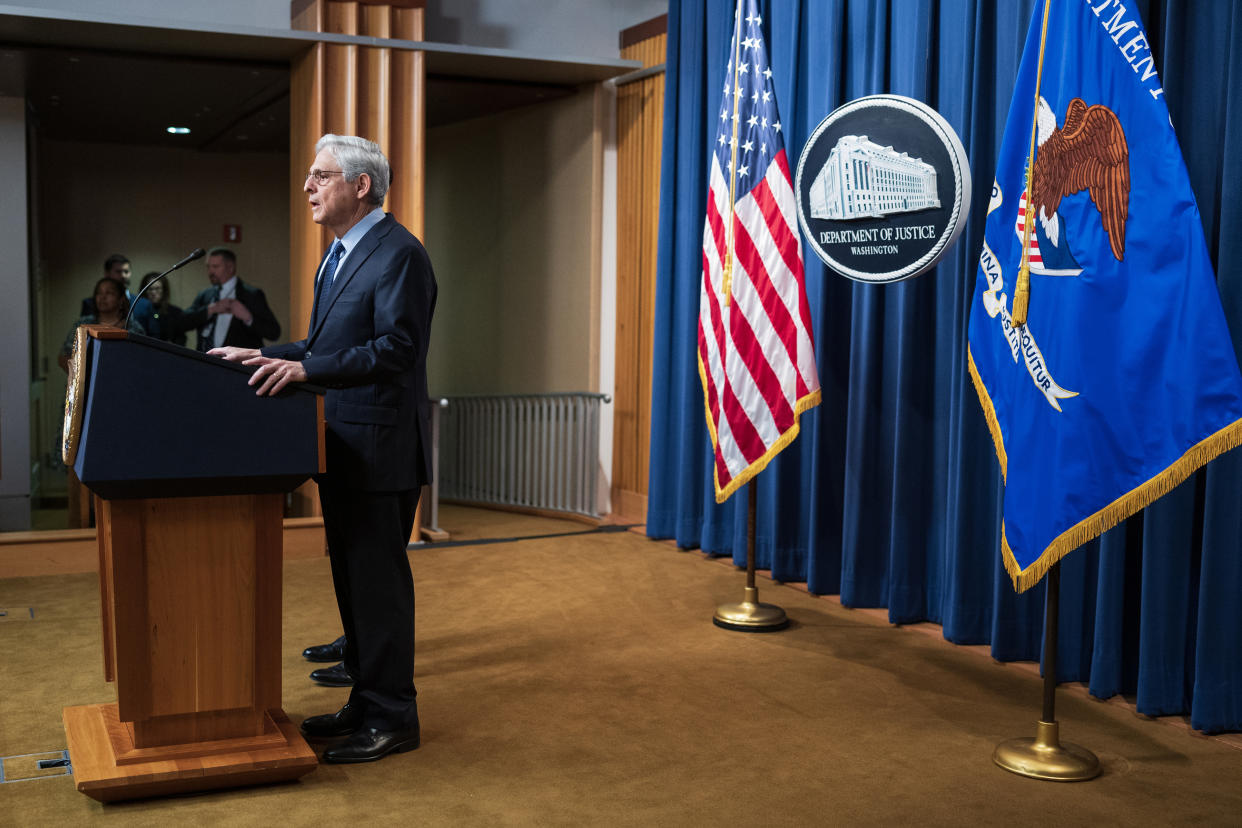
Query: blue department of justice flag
[1123,379]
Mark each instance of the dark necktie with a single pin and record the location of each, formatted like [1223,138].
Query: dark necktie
[207,336]
[334,260]
[328,275]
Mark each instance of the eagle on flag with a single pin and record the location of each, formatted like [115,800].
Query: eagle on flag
[1089,152]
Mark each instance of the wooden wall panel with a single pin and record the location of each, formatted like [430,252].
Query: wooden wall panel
[305,243]
[408,123]
[640,108]
[375,92]
[374,77]
[341,76]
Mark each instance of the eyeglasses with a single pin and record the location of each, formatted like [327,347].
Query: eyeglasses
[322,176]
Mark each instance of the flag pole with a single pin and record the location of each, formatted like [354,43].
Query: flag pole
[750,615]
[726,282]
[1045,756]
[1022,290]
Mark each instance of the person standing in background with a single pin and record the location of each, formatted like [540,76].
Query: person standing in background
[109,308]
[230,313]
[117,268]
[165,316]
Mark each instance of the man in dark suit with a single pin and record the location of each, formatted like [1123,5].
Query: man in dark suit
[230,312]
[367,344]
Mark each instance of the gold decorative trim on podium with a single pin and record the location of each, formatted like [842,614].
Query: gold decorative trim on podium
[75,402]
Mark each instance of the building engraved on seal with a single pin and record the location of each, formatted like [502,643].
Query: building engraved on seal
[862,179]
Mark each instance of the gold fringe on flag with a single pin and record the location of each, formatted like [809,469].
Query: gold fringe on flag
[989,413]
[1123,507]
[802,406]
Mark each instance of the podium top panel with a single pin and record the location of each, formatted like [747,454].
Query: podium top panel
[161,420]
[111,333]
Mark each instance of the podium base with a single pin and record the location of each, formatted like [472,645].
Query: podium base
[275,756]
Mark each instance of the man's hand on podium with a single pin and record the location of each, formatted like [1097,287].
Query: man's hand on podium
[234,354]
[272,374]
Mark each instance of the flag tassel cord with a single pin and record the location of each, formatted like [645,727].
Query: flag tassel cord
[726,286]
[1022,292]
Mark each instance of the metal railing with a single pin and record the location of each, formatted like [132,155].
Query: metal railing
[539,451]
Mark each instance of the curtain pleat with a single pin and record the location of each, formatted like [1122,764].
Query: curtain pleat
[890,497]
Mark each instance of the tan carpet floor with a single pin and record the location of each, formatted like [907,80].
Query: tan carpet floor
[579,681]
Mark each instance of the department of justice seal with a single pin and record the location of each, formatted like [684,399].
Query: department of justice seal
[883,188]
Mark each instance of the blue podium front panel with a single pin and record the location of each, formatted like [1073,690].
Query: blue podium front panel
[164,421]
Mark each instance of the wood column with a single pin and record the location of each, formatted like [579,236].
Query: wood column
[640,120]
[377,93]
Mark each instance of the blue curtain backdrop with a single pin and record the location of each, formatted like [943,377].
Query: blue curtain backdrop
[890,496]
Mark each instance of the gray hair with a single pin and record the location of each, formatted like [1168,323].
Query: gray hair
[357,156]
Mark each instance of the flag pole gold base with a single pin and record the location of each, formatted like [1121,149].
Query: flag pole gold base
[750,615]
[1045,757]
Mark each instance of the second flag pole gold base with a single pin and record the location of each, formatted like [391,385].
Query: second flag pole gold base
[750,615]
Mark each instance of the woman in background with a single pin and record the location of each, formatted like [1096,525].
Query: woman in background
[110,309]
[111,306]
[164,313]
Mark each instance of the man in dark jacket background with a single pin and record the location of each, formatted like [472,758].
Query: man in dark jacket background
[230,312]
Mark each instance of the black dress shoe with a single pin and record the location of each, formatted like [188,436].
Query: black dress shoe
[326,652]
[330,725]
[368,744]
[334,676]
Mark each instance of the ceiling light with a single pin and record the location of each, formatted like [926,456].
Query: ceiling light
[175,130]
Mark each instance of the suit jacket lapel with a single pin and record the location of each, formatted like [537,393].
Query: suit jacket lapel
[361,252]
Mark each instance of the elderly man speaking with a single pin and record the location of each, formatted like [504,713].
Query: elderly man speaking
[367,344]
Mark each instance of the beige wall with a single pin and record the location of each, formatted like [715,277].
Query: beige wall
[510,199]
[154,206]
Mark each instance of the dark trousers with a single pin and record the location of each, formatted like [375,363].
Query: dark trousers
[367,535]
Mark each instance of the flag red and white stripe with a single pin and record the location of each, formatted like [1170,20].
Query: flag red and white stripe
[1035,259]
[756,349]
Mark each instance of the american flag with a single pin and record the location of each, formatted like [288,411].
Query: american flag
[756,351]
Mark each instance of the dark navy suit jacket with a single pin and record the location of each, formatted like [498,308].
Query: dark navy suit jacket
[367,344]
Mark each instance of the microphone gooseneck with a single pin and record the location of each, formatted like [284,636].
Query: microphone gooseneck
[197,254]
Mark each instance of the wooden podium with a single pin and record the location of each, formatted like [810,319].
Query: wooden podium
[188,469]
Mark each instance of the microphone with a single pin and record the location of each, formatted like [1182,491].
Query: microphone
[197,254]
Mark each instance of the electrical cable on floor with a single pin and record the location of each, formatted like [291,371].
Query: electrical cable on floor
[598,530]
